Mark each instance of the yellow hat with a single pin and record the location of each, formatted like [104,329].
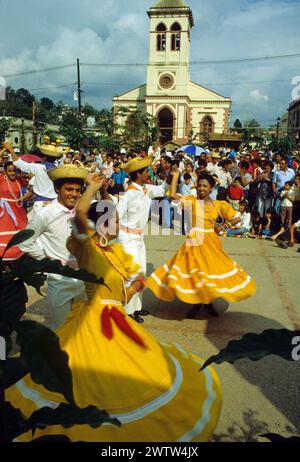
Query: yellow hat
[216,156]
[58,140]
[46,137]
[50,150]
[68,171]
[136,164]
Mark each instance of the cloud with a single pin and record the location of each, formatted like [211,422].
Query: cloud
[256,95]
[57,32]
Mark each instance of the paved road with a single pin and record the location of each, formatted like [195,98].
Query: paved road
[261,397]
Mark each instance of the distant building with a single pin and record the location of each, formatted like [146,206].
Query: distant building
[184,109]
[294,120]
[20,133]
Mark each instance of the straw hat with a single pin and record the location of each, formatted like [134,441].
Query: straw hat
[136,164]
[216,156]
[68,171]
[50,151]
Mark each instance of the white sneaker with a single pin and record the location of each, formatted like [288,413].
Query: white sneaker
[220,305]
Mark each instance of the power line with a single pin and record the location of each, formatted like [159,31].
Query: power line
[49,69]
[52,88]
[223,61]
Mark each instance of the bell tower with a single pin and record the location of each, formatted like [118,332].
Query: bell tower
[170,28]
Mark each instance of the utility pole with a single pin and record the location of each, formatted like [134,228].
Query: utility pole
[34,132]
[79,91]
[22,143]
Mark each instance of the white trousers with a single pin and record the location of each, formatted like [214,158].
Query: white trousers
[62,291]
[134,245]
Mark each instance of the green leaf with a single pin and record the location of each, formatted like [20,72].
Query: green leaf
[257,346]
[15,422]
[68,416]
[27,265]
[36,280]
[19,238]
[48,364]
[274,438]
[52,439]
[13,299]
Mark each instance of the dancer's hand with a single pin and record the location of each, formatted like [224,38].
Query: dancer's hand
[96,181]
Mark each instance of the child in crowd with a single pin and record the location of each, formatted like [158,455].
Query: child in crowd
[256,224]
[244,226]
[235,194]
[214,192]
[287,198]
[186,188]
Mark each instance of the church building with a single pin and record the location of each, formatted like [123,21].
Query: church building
[184,109]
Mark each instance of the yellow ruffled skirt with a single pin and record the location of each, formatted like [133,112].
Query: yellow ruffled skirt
[200,272]
[155,390]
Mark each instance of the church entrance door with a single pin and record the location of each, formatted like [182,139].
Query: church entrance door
[166,123]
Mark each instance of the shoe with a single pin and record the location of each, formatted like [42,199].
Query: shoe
[137,318]
[282,244]
[220,306]
[142,313]
[211,310]
[194,311]
[298,250]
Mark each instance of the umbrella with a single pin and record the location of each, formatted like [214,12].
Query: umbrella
[192,150]
[30,158]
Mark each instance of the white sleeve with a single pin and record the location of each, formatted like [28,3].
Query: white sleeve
[27,167]
[157,191]
[31,246]
[122,206]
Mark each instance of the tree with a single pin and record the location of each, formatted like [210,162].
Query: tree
[4,126]
[284,145]
[238,125]
[252,129]
[71,129]
[140,128]
[47,104]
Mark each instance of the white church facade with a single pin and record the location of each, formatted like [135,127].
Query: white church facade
[184,109]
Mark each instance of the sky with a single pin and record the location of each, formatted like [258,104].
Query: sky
[37,35]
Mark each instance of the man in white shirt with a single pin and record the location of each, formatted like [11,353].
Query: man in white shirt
[225,179]
[213,167]
[133,209]
[43,186]
[52,227]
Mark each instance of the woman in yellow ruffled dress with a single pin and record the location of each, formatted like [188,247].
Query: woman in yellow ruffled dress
[155,390]
[201,273]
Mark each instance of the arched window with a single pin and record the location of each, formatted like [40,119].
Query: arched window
[161,37]
[175,37]
[207,125]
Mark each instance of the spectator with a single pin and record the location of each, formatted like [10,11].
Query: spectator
[296,203]
[280,178]
[186,188]
[235,194]
[256,224]
[272,225]
[294,233]
[287,199]
[246,178]
[244,226]
[225,179]
[265,195]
